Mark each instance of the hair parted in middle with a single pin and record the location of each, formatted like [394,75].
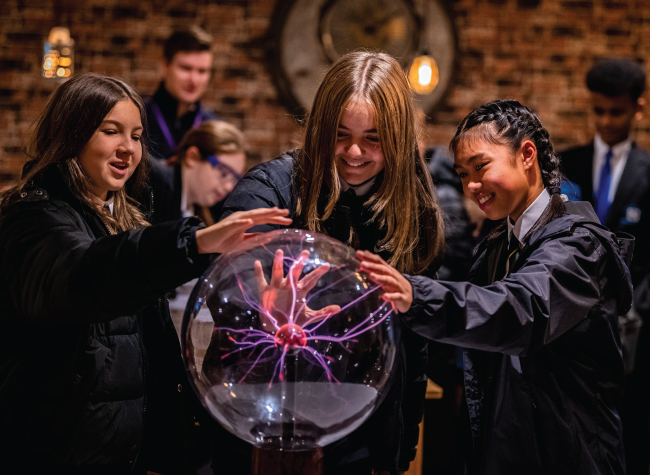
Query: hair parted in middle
[405,204]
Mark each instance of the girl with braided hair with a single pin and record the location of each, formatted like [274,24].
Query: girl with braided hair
[538,320]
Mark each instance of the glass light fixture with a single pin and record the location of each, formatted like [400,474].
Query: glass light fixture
[424,74]
[58,54]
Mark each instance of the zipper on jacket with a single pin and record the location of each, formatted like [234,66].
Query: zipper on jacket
[104,225]
[151,209]
[145,364]
[160,314]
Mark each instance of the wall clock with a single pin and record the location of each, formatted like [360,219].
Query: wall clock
[310,34]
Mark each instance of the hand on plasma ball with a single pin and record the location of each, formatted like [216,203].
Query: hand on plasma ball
[283,298]
[228,233]
[397,289]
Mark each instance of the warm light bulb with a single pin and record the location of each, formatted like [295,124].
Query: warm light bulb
[58,54]
[424,75]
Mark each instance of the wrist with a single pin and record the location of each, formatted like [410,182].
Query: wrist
[200,239]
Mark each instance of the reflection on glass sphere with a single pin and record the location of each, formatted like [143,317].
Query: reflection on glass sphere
[287,343]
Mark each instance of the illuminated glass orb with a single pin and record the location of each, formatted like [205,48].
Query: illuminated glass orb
[287,344]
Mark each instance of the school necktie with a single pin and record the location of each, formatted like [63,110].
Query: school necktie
[507,257]
[602,197]
[513,252]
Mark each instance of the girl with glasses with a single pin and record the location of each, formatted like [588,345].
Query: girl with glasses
[196,181]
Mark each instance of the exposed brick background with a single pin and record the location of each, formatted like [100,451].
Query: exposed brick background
[537,51]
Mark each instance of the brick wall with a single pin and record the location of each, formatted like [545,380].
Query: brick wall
[537,51]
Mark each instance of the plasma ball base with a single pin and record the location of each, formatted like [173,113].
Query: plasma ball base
[280,462]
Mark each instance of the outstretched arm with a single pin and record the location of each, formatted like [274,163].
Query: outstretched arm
[557,288]
[228,233]
[55,273]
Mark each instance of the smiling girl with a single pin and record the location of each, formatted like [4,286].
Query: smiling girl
[359,178]
[539,319]
[91,379]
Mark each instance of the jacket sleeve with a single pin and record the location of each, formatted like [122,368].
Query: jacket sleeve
[261,188]
[555,289]
[60,275]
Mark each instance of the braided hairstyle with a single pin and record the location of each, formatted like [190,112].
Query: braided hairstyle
[508,122]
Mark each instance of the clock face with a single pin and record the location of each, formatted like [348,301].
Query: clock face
[311,34]
[386,25]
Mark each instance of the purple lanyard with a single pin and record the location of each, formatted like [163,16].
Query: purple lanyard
[165,129]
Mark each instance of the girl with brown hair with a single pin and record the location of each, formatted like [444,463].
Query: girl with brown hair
[91,379]
[360,179]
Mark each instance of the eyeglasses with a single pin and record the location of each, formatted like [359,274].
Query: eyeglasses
[227,172]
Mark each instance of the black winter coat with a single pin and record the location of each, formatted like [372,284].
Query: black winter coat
[543,365]
[391,434]
[88,354]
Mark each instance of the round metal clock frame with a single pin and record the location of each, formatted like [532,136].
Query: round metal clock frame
[308,35]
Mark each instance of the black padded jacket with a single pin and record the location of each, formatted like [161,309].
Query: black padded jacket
[90,367]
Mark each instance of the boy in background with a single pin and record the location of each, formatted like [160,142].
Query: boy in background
[175,108]
[613,173]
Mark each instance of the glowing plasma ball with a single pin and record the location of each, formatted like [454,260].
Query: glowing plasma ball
[288,345]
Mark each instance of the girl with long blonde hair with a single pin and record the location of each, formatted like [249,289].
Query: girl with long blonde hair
[360,179]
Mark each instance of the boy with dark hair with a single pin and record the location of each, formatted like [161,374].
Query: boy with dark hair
[613,173]
[175,108]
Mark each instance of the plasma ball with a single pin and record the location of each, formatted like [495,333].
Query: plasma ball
[290,336]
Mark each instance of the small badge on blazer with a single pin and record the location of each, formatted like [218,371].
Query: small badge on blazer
[632,215]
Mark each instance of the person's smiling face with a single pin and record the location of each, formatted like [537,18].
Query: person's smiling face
[494,177]
[358,152]
[114,151]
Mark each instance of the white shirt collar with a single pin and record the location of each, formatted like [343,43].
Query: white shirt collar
[360,190]
[186,210]
[529,217]
[105,204]
[618,150]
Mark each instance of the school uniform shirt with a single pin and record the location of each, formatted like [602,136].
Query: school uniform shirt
[629,191]
[543,366]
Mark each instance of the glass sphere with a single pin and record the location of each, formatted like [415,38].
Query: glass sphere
[288,345]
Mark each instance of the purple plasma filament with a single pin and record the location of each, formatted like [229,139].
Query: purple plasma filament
[290,336]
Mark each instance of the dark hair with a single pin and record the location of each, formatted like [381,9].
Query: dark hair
[193,38]
[617,76]
[74,111]
[507,122]
[405,203]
